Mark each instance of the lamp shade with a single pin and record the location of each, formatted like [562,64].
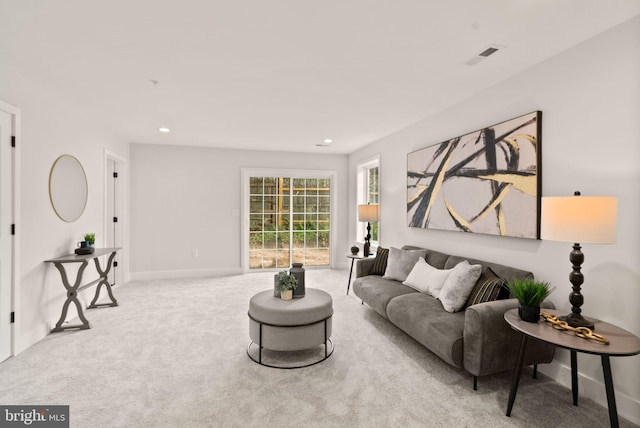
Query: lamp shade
[369,213]
[579,219]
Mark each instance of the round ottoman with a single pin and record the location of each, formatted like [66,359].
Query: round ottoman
[290,325]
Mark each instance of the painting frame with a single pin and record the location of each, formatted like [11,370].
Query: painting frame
[488,181]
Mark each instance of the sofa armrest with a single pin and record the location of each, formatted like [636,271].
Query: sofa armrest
[491,345]
[363,266]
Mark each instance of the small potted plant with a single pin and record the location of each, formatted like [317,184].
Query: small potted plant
[530,294]
[90,238]
[285,284]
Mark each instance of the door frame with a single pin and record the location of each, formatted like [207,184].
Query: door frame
[294,173]
[14,112]
[122,273]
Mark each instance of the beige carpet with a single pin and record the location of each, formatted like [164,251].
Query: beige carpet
[173,354]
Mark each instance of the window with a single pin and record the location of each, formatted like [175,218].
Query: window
[369,193]
[269,220]
[289,220]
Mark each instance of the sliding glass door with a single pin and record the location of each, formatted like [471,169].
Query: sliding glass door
[289,221]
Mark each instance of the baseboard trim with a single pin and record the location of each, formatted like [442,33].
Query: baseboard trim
[628,407]
[191,273]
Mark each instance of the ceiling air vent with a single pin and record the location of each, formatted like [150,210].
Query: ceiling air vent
[490,50]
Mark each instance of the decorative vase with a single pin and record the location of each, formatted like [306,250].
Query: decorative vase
[355,250]
[286,295]
[298,271]
[276,293]
[529,313]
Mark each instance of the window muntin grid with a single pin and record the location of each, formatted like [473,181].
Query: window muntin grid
[288,225]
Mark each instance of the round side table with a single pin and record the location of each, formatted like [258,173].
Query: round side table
[621,344]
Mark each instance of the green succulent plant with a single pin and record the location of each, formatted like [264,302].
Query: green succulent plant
[530,292]
[90,238]
[286,281]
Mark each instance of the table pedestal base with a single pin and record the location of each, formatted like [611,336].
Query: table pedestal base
[73,290]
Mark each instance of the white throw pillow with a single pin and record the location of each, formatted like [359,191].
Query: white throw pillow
[427,279]
[458,286]
[401,262]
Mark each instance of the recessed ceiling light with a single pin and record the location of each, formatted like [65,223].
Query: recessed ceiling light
[164,129]
[328,141]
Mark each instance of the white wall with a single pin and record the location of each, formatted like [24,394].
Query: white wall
[49,129]
[186,198]
[590,99]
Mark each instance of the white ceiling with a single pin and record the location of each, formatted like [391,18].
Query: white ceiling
[282,74]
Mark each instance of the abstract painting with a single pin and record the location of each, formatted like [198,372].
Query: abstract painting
[486,182]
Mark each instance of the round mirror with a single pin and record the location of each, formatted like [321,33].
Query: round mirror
[68,188]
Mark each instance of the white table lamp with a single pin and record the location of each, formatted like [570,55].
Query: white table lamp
[578,219]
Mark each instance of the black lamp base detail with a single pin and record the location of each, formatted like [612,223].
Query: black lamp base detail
[577,320]
[367,241]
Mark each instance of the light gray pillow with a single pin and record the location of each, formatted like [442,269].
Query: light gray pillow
[401,262]
[458,286]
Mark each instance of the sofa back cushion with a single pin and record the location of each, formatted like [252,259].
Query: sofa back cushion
[505,272]
[434,258]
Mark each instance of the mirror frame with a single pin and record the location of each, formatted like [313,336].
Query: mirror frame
[53,198]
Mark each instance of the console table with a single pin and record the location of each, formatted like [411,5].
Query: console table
[72,290]
[622,344]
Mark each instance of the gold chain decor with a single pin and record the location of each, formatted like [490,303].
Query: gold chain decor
[583,332]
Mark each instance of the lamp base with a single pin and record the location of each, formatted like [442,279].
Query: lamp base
[577,320]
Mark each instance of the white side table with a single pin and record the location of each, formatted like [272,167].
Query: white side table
[353,258]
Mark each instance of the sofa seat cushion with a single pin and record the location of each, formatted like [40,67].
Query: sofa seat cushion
[377,291]
[422,317]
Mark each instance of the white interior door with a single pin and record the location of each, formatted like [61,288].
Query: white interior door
[6,240]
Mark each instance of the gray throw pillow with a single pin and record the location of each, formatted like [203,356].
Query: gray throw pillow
[458,286]
[401,262]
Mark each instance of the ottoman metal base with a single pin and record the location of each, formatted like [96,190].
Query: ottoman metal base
[328,346]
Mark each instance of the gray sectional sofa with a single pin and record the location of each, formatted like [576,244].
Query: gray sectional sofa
[476,339]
